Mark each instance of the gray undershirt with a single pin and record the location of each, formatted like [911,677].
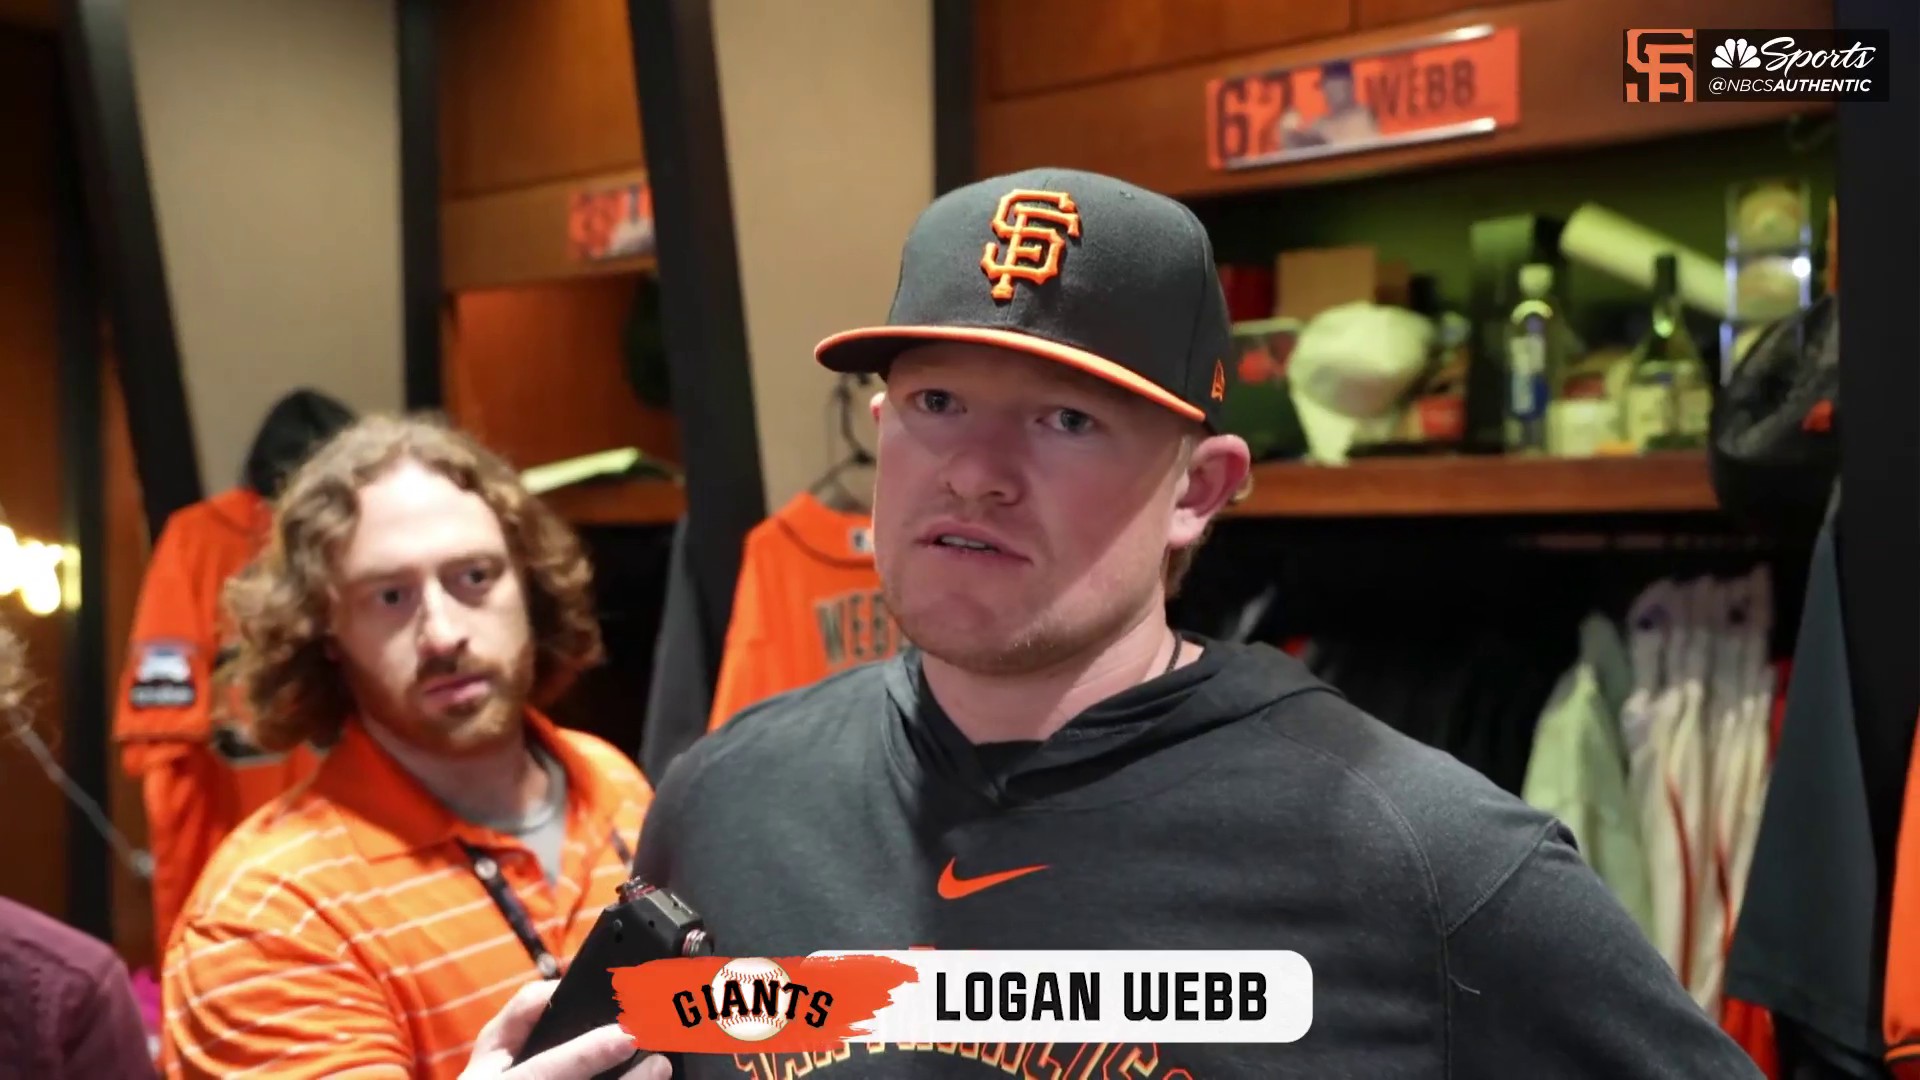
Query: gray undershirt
[543,827]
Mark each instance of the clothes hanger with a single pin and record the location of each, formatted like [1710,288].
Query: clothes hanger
[832,488]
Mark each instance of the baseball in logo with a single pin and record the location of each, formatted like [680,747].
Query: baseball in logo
[1035,226]
[716,1005]
[1659,65]
[752,999]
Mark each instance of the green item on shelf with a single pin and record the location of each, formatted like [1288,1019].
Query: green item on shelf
[628,462]
[1258,406]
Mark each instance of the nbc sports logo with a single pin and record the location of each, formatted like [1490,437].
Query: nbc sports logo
[1735,53]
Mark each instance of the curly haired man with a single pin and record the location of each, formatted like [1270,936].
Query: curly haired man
[414,610]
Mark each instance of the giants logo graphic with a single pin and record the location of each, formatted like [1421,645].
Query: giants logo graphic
[1010,1060]
[1035,226]
[1659,65]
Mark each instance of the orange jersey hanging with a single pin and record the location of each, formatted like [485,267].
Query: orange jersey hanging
[1902,1006]
[182,732]
[181,736]
[807,605]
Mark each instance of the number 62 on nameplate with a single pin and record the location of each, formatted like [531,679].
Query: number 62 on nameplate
[1454,85]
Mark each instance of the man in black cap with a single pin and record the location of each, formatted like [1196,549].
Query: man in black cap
[1050,766]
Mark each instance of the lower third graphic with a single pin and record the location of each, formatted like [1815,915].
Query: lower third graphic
[822,1003]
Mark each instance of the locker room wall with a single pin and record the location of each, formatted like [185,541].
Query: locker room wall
[272,142]
[821,205]
[34,495]
[272,139]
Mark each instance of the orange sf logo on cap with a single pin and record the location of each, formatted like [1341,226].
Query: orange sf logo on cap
[1035,225]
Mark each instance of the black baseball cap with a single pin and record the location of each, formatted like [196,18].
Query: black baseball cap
[1070,266]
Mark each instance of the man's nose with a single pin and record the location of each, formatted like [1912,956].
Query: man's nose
[984,468]
[440,631]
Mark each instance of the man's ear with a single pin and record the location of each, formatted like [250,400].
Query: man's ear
[879,398]
[1217,468]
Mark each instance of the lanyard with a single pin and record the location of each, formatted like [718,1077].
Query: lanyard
[488,871]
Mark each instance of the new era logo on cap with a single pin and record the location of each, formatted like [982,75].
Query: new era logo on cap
[1075,267]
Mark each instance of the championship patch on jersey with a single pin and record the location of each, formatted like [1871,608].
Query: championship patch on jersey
[163,677]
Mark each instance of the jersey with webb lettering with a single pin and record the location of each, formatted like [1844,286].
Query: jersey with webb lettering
[180,734]
[807,605]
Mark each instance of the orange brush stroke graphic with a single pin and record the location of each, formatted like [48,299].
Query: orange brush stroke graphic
[858,988]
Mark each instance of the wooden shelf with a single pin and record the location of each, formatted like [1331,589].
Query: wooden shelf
[619,502]
[1482,486]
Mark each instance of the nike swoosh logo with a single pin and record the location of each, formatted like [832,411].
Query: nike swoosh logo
[954,887]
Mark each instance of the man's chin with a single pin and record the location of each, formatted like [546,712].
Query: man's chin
[1003,642]
[467,733]
[994,647]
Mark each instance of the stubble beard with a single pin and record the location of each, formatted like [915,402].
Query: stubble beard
[469,731]
[1045,640]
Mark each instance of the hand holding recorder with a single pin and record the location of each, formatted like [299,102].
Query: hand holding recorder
[598,1053]
[644,923]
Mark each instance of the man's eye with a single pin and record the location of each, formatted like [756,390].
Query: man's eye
[476,575]
[936,401]
[392,597]
[1073,421]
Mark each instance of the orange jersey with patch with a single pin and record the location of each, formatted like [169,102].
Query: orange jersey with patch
[179,735]
[1902,1004]
[807,605]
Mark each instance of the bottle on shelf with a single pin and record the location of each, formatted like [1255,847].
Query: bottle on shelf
[1669,395]
[1436,411]
[1539,347]
[1693,387]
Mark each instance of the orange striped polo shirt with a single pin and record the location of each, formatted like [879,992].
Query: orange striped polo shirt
[341,930]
